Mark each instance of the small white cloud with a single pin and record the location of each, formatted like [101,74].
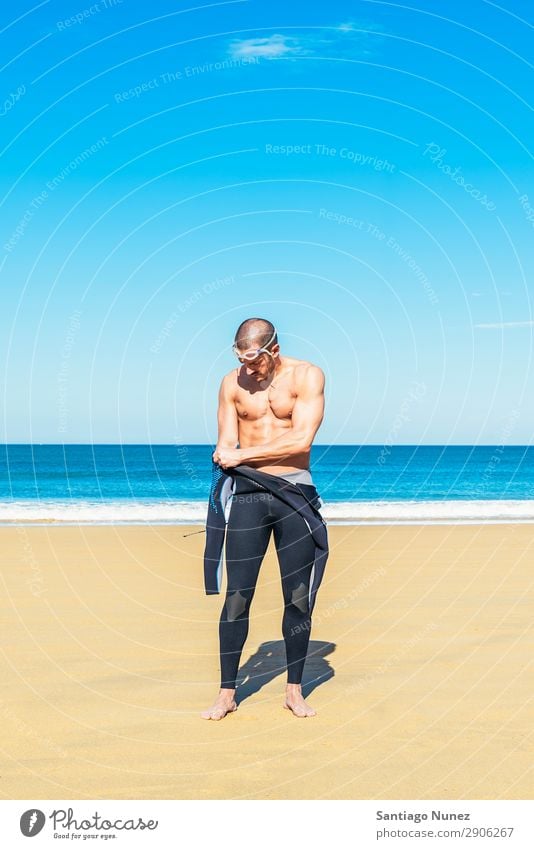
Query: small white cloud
[348,36]
[499,325]
[274,46]
[359,28]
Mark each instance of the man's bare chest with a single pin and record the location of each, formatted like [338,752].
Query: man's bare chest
[275,402]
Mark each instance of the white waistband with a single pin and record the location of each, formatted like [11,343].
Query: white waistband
[302,476]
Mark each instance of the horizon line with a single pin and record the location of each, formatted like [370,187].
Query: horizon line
[316,445]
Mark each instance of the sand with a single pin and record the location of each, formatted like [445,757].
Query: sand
[422,645]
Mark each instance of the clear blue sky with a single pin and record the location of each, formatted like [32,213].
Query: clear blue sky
[360,173]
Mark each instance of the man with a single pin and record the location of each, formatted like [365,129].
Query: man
[271,405]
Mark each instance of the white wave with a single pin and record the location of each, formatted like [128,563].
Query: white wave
[194,512]
[428,512]
[103,513]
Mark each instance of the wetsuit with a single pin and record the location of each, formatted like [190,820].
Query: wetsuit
[250,505]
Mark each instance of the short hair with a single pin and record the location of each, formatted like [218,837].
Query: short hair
[255,331]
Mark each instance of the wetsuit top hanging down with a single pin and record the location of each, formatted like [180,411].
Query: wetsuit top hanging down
[219,499]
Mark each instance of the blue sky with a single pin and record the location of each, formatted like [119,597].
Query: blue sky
[360,173]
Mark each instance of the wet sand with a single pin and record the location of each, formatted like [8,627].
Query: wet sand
[418,668]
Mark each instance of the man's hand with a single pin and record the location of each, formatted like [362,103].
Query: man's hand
[227,457]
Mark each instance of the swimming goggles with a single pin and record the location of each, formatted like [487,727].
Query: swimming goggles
[251,355]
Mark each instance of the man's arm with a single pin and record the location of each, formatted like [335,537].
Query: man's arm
[306,419]
[226,416]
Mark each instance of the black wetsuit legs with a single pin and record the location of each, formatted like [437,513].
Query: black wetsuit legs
[254,515]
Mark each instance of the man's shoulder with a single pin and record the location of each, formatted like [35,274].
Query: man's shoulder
[229,381]
[306,368]
[308,374]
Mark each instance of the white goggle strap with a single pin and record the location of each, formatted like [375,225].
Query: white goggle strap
[234,346]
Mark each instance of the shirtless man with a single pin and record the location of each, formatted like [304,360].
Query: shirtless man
[271,405]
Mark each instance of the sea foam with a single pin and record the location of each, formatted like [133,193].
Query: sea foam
[194,512]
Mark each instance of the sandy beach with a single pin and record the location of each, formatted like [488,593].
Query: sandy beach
[420,659]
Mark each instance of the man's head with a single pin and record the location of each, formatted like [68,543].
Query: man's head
[256,346]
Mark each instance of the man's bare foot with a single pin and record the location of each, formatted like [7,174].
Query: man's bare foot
[295,702]
[224,703]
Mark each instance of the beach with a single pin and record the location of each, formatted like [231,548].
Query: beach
[418,668]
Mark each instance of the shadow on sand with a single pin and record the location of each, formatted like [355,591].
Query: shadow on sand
[270,662]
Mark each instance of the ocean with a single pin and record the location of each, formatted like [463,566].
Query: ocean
[169,484]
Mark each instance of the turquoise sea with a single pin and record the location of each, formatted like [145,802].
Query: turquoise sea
[357,483]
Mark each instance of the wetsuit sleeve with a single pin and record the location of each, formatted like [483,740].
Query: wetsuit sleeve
[215,530]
